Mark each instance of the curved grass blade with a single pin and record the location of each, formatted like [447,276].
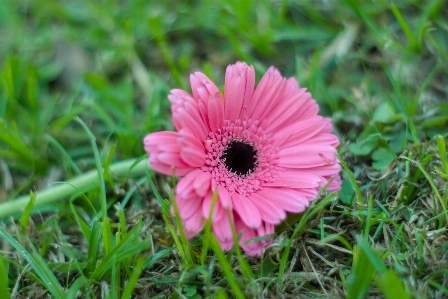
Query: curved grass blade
[99,167]
[4,290]
[36,261]
[132,281]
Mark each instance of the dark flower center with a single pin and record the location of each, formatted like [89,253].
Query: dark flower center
[239,158]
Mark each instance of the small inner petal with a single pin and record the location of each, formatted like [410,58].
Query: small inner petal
[240,156]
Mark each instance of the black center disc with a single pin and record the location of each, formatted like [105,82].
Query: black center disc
[239,158]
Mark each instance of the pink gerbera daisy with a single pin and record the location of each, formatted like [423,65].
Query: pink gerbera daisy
[264,151]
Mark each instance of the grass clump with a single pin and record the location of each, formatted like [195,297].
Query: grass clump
[83,81]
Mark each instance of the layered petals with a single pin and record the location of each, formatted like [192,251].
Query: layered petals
[165,153]
[247,157]
[247,210]
[248,234]
[186,114]
[238,89]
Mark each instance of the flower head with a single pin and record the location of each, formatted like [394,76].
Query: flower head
[263,151]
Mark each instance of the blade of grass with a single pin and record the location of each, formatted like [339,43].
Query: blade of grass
[352,180]
[132,281]
[438,286]
[107,236]
[404,26]
[159,198]
[386,279]
[244,265]
[312,210]
[431,182]
[99,167]
[226,268]
[361,275]
[85,229]
[283,263]
[182,241]
[160,254]
[76,287]
[47,278]
[127,247]
[94,246]
[75,262]
[24,219]
[208,230]
[4,287]
[52,141]
[15,144]
[115,279]
[442,153]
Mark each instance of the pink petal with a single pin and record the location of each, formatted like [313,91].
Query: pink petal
[233,98]
[192,151]
[335,184]
[171,159]
[252,248]
[167,169]
[326,138]
[192,157]
[223,232]
[268,85]
[201,183]
[325,170]
[164,153]
[300,131]
[185,187]
[189,118]
[218,210]
[295,180]
[269,212]
[292,87]
[161,141]
[286,199]
[266,229]
[178,97]
[246,210]
[202,87]
[224,197]
[329,126]
[188,206]
[288,107]
[310,193]
[193,225]
[215,112]
[238,89]
[307,155]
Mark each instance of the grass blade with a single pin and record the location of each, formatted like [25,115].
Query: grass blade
[99,167]
[24,219]
[404,26]
[361,275]
[36,261]
[4,287]
[226,268]
[132,281]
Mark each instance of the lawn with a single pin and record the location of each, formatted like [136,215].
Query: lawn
[82,214]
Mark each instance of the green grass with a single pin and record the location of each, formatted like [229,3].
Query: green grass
[82,82]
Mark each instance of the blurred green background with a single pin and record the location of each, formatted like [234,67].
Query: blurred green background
[379,70]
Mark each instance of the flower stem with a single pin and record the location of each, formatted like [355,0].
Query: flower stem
[76,185]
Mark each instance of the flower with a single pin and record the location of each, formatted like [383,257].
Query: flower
[262,151]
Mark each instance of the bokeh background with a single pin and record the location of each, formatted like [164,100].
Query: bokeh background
[372,68]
